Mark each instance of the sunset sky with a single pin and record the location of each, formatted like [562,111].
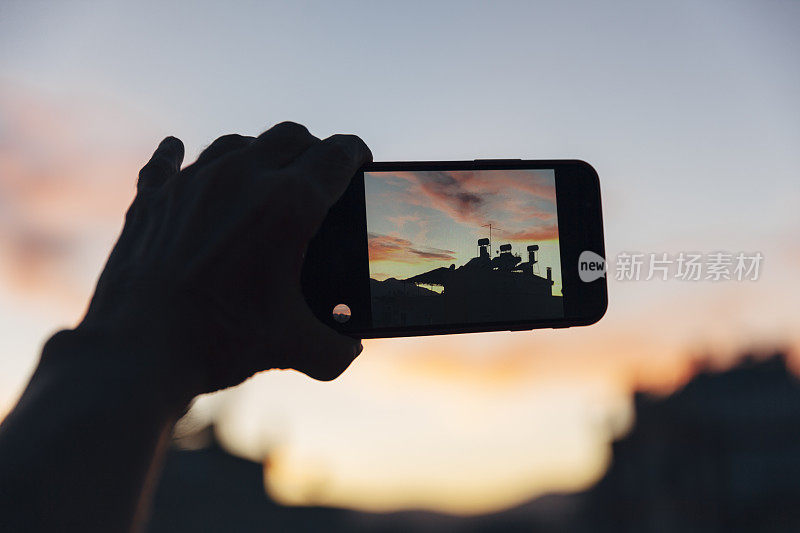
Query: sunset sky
[688,111]
[422,220]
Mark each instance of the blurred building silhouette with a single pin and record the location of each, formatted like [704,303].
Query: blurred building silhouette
[720,455]
[210,490]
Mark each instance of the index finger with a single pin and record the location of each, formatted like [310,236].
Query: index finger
[330,165]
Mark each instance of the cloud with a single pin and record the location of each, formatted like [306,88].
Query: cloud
[67,174]
[402,220]
[542,233]
[392,248]
[518,200]
[425,254]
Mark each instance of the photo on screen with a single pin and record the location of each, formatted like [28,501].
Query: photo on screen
[463,247]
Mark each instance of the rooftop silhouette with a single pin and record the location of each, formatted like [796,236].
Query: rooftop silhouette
[485,289]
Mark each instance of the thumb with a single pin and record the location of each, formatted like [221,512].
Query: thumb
[321,352]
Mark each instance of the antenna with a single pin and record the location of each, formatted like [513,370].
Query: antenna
[489,225]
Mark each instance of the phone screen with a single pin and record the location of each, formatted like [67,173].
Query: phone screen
[462,246]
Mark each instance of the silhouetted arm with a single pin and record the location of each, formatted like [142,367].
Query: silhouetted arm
[77,452]
[191,300]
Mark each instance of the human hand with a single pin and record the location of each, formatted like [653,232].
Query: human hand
[205,277]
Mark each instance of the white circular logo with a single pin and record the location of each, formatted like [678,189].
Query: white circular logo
[591,266]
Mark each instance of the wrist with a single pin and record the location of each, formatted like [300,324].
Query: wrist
[137,368]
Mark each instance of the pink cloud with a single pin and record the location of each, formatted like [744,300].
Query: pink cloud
[542,233]
[393,248]
[67,174]
[518,199]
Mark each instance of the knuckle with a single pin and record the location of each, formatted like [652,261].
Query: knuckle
[224,145]
[230,140]
[355,142]
[347,138]
[339,154]
[291,129]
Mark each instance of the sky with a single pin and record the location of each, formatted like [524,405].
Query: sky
[687,110]
[418,221]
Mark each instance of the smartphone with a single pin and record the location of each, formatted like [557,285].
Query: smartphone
[442,247]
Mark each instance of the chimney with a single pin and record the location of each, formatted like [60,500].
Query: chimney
[483,247]
[549,274]
[532,253]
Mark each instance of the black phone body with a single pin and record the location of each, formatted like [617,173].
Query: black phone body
[442,247]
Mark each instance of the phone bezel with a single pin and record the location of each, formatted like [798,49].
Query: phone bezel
[580,225]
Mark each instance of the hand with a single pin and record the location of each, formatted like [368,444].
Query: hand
[205,277]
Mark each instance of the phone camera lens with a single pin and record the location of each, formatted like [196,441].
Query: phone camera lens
[341,313]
